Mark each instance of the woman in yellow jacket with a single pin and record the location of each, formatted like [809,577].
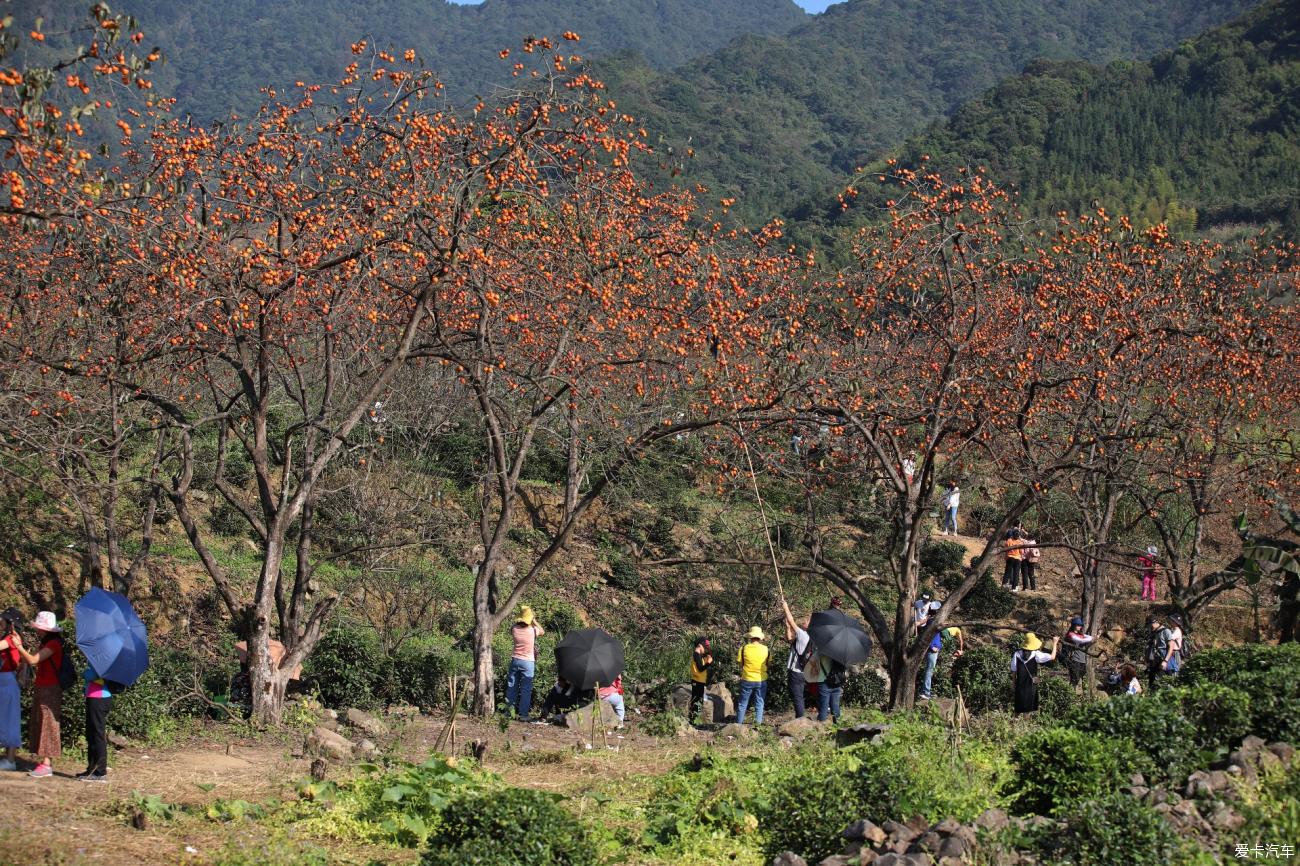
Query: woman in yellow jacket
[753,676]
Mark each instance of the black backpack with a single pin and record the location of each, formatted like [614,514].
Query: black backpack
[835,676]
[67,671]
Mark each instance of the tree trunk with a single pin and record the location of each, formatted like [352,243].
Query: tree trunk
[484,671]
[903,671]
[267,683]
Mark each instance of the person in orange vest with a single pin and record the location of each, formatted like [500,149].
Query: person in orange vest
[753,676]
[1015,553]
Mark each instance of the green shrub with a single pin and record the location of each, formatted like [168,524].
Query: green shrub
[1227,666]
[1112,828]
[346,668]
[811,805]
[418,677]
[987,600]
[983,674]
[1057,768]
[511,827]
[164,692]
[1220,715]
[623,573]
[866,689]
[1056,697]
[941,557]
[1155,728]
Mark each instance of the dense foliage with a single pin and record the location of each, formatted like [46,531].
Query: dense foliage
[1197,137]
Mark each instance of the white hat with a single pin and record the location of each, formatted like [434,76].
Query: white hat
[935,605]
[45,621]
[1151,550]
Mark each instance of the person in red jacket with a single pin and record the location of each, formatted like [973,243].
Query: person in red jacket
[47,700]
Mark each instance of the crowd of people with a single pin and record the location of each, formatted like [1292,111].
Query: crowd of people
[48,670]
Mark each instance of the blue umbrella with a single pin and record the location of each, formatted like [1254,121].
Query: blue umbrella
[112,636]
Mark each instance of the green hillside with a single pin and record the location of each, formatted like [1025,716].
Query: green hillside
[770,119]
[1201,136]
[220,54]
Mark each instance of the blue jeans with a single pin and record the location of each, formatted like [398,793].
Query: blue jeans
[795,681]
[931,659]
[828,702]
[756,690]
[616,701]
[950,520]
[519,686]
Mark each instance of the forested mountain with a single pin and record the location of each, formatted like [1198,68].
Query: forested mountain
[1199,136]
[770,118]
[1204,136]
[220,54]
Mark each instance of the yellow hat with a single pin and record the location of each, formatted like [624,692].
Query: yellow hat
[525,615]
[1031,641]
[756,632]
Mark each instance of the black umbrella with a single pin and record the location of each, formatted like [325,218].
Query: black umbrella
[587,656]
[839,637]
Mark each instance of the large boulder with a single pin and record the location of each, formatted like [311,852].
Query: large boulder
[328,744]
[854,734]
[680,700]
[581,718]
[722,706]
[365,723]
[734,731]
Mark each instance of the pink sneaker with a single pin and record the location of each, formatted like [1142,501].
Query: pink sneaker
[41,771]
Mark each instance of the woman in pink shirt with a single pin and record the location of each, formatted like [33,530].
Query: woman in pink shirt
[523,663]
[612,694]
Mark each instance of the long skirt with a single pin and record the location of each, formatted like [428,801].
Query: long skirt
[11,729]
[47,704]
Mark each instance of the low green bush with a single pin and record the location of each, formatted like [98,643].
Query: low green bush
[346,668]
[510,827]
[1234,664]
[1056,697]
[987,600]
[941,557]
[1057,768]
[1221,716]
[418,676]
[1112,828]
[983,674]
[810,805]
[865,689]
[1155,727]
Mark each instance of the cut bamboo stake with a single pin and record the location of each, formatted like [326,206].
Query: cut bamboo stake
[443,737]
[762,513]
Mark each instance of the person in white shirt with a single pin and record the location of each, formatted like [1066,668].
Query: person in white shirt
[951,500]
[801,650]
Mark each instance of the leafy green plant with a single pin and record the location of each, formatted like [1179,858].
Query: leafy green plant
[1112,828]
[1057,768]
[346,667]
[1155,727]
[941,557]
[511,827]
[983,675]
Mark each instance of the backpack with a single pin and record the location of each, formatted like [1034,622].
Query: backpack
[1187,650]
[835,676]
[67,672]
[1158,646]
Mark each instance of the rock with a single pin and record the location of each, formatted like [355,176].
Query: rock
[788,858]
[680,701]
[329,714]
[930,842]
[720,702]
[953,847]
[329,724]
[993,820]
[327,743]
[890,859]
[118,741]
[1252,744]
[1226,819]
[837,860]
[804,727]
[947,827]
[1137,792]
[899,832]
[364,749]
[951,861]
[855,734]
[365,723]
[867,857]
[1284,751]
[865,831]
[580,719]
[786,742]
[1267,760]
[1217,780]
[918,823]
[735,732]
[1137,779]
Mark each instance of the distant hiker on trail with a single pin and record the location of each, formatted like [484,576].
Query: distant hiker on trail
[950,502]
[909,468]
[1288,608]
[47,698]
[931,654]
[1077,660]
[1025,663]
[523,663]
[922,614]
[612,694]
[1158,640]
[1128,680]
[701,662]
[1147,565]
[1015,552]
[830,692]
[1030,554]
[11,729]
[753,676]
[800,650]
